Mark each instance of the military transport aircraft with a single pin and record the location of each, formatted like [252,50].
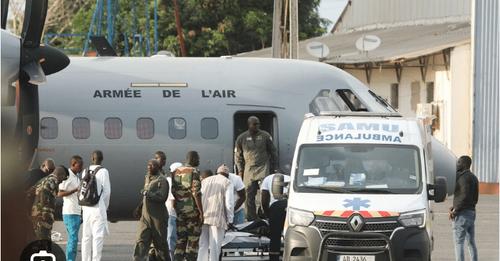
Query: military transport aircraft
[130,107]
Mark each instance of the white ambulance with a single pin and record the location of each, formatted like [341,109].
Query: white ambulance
[360,190]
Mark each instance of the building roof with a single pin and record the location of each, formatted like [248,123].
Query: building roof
[397,43]
[372,14]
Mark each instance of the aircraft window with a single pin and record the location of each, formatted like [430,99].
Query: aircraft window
[113,128]
[145,128]
[81,128]
[177,128]
[48,128]
[209,128]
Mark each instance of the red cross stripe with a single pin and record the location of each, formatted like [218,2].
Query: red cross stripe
[363,213]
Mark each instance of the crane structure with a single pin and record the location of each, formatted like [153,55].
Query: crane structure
[140,44]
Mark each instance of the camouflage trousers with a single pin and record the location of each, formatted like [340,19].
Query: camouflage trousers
[43,230]
[188,236]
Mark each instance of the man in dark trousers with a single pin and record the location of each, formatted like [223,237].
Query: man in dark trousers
[255,156]
[275,210]
[463,212]
[154,216]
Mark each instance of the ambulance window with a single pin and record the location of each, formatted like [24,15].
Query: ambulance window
[209,128]
[48,128]
[113,128]
[81,128]
[177,128]
[145,128]
[351,100]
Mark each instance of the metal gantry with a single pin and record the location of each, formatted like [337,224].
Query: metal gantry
[138,40]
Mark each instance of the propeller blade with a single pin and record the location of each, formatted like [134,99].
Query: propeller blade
[34,20]
[5,13]
[35,73]
[10,46]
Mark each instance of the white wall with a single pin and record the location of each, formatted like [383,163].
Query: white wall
[461,100]
[381,81]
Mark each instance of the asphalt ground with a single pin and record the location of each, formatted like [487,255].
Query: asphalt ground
[119,245]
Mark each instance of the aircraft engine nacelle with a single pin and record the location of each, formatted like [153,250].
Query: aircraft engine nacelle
[445,164]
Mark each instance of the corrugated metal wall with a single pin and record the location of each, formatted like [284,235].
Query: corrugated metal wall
[486,140]
[381,13]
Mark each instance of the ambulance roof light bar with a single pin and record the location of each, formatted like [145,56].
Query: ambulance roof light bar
[359,114]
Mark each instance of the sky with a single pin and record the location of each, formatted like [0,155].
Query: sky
[331,9]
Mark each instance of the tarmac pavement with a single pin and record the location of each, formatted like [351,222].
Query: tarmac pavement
[119,245]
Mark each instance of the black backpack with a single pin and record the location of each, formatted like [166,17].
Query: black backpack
[88,194]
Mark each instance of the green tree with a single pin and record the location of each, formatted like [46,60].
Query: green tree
[210,27]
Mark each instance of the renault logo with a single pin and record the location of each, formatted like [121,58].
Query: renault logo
[356,222]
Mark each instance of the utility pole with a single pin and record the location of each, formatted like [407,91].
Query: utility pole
[180,34]
[294,30]
[285,39]
[277,38]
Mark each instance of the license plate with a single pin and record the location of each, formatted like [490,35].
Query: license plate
[355,258]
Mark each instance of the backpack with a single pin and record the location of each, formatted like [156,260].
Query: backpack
[88,194]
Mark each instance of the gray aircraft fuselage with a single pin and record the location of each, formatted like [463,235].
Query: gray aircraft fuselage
[177,94]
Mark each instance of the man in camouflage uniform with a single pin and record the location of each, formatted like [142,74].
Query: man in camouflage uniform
[255,157]
[42,212]
[154,216]
[186,188]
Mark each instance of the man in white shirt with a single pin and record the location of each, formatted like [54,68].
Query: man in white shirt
[172,216]
[275,210]
[95,219]
[239,197]
[71,210]
[217,196]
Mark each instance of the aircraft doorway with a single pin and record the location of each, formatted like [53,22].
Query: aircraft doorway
[268,122]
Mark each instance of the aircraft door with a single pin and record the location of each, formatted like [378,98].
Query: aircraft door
[268,122]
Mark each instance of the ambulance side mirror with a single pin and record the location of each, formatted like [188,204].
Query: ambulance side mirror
[278,186]
[437,192]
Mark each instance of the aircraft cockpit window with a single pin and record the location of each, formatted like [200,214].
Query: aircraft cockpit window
[177,128]
[351,100]
[48,128]
[145,128]
[209,128]
[113,128]
[81,128]
[327,100]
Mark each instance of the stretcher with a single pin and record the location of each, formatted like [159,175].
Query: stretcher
[245,246]
[245,243]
